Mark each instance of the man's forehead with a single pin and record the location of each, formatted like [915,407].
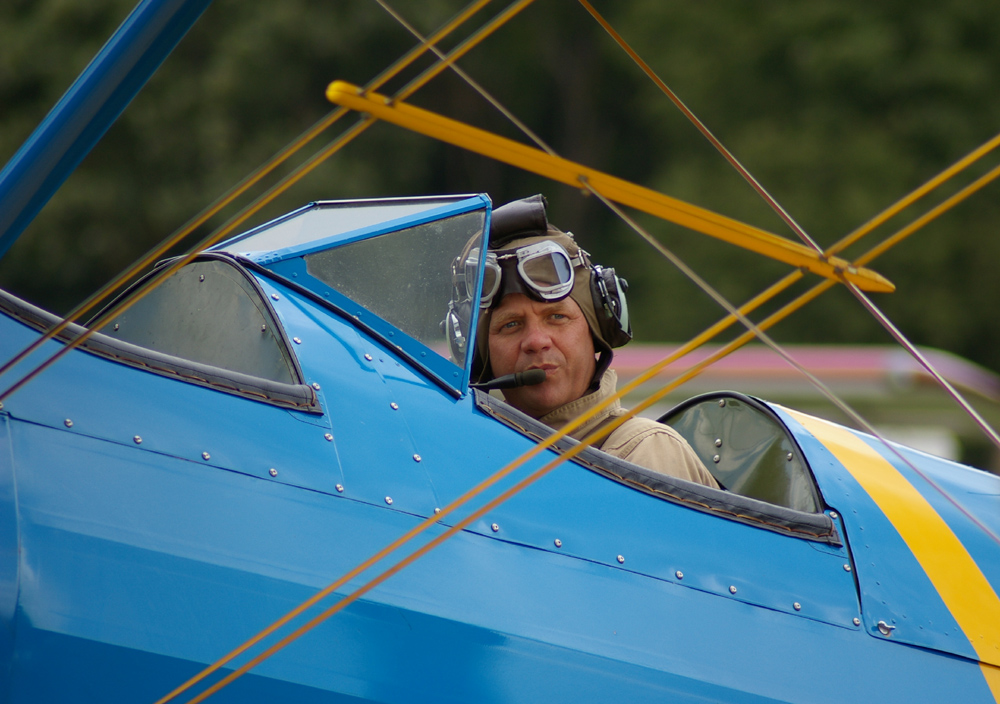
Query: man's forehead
[514,304]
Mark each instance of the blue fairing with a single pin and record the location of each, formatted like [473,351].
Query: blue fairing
[89,107]
[140,562]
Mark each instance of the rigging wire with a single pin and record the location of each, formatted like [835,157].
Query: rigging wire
[707,133]
[269,195]
[546,443]
[549,442]
[208,241]
[242,187]
[500,107]
[862,297]
[865,300]
[868,304]
[757,331]
[734,314]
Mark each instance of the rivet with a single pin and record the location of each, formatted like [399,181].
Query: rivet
[857,621]
[273,472]
[206,456]
[885,629]
[718,442]
[557,542]
[275,296]
[297,340]
[789,457]
[368,357]
[340,488]
[732,590]
[495,527]
[797,606]
[621,559]
[679,574]
[716,459]
[833,514]
[329,438]
[437,510]
[416,458]
[722,403]
[388,500]
[263,328]
[201,278]
[116,326]
[847,568]
[137,440]
[315,385]
[68,423]
[394,406]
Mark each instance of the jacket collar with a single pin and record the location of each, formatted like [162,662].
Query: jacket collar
[564,414]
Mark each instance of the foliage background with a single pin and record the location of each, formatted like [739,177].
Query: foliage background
[839,107]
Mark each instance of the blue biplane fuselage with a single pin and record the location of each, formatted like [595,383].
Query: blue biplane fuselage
[285,406]
[289,403]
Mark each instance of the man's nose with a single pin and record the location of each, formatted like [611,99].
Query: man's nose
[536,337]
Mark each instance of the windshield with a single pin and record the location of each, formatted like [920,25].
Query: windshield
[406,270]
[406,277]
[321,223]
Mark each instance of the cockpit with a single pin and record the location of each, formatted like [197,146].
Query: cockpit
[406,273]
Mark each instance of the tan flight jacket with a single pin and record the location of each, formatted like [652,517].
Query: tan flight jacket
[642,441]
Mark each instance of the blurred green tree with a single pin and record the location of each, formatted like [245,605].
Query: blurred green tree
[839,107]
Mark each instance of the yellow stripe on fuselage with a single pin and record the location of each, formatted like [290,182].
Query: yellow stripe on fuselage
[954,573]
[992,675]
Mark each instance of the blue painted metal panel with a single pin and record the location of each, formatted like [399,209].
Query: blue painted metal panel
[439,368]
[978,492]
[135,560]
[115,402]
[131,571]
[894,587]
[375,447]
[9,549]
[598,519]
[89,107]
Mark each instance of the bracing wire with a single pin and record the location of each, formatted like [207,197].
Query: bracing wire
[544,444]
[263,200]
[866,301]
[734,314]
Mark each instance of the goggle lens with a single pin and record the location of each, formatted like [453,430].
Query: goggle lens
[544,268]
[491,281]
[546,271]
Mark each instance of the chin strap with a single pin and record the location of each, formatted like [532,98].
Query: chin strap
[603,363]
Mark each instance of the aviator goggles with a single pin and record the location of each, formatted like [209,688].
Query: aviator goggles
[544,271]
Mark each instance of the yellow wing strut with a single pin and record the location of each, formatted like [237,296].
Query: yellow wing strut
[629,194]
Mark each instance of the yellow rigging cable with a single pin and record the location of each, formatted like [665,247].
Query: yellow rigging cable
[264,199]
[299,174]
[537,474]
[746,337]
[633,385]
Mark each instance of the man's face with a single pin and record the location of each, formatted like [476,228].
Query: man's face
[528,334]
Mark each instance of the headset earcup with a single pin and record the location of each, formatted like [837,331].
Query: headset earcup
[611,306]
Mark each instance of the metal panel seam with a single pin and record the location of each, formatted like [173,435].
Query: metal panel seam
[954,573]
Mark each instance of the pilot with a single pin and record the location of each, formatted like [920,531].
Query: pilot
[546,306]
